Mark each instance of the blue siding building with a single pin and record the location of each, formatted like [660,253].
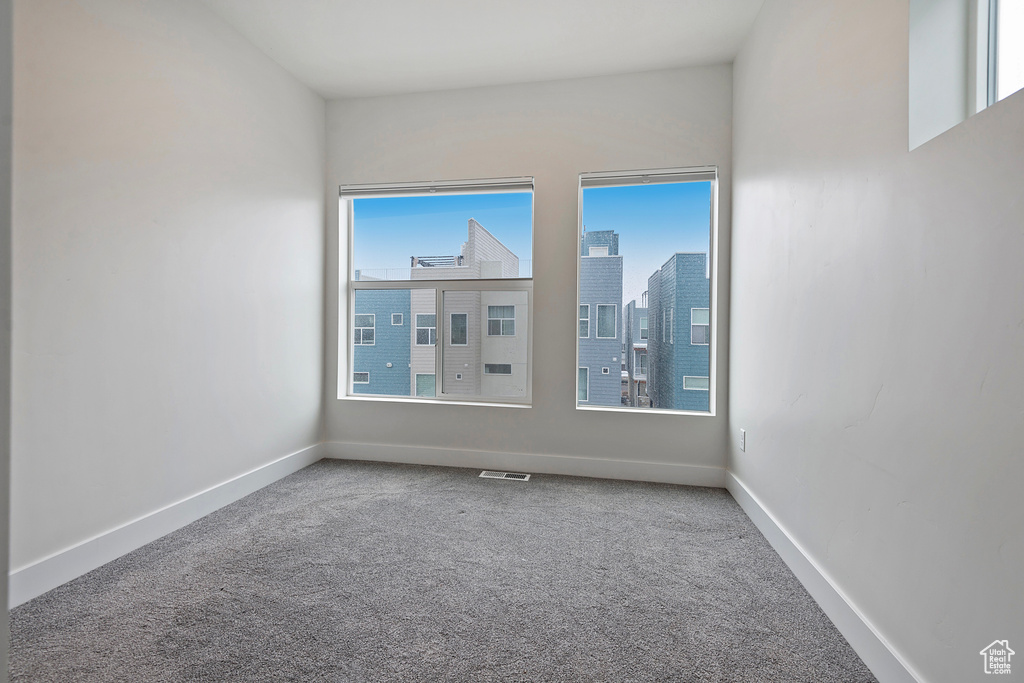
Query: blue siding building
[679,359]
[382,350]
[599,373]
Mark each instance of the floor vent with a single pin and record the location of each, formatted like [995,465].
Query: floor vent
[487,474]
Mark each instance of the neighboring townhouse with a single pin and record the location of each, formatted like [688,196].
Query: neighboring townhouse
[636,327]
[381,342]
[485,333]
[679,319]
[600,320]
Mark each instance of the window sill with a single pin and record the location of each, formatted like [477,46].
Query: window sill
[643,411]
[432,401]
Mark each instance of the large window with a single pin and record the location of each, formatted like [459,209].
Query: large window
[454,261]
[646,249]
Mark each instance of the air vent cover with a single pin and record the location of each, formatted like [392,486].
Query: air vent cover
[487,474]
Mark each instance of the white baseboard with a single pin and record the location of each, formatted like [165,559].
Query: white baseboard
[876,652]
[577,466]
[35,579]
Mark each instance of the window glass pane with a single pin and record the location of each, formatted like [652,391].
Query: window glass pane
[487,365]
[397,319]
[425,385]
[606,321]
[1010,47]
[696,383]
[459,329]
[443,236]
[584,321]
[387,356]
[583,384]
[658,242]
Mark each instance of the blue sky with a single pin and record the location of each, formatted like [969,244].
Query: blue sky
[653,222]
[388,230]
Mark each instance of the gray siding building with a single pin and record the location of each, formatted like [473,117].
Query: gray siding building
[679,324]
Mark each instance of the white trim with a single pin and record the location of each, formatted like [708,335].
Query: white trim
[693,324]
[570,465]
[647,329]
[33,580]
[401,319]
[578,399]
[581,319]
[877,653]
[615,321]
[450,342]
[360,372]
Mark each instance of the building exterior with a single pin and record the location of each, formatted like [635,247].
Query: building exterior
[485,333]
[600,320]
[636,327]
[381,342]
[678,349]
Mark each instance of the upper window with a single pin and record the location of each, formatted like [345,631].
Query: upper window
[501,321]
[459,253]
[965,55]
[459,329]
[363,325]
[646,248]
[606,327]
[700,326]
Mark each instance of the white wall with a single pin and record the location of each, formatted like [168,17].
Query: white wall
[168,251]
[552,131]
[5,315]
[877,330]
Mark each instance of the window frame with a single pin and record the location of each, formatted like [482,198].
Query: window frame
[496,365]
[581,321]
[401,319]
[686,388]
[348,286]
[360,372]
[586,389]
[645,330]
[662,175]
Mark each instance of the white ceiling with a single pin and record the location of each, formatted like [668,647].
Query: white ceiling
[358,48]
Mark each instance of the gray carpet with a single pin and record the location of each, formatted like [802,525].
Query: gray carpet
[354,571]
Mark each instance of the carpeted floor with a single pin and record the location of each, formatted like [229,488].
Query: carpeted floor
[354,571]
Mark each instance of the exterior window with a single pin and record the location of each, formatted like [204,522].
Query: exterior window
[696,383]
[700,326]
[363,325]
[497,369]
[360,378]
[501,321]
[606,321]
[460,329]
[645,249]
[426,330]
[425,385]
[415,251]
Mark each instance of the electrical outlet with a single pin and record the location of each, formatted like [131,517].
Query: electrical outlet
[743,440]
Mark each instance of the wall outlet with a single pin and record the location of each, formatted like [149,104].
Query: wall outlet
[743,440]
